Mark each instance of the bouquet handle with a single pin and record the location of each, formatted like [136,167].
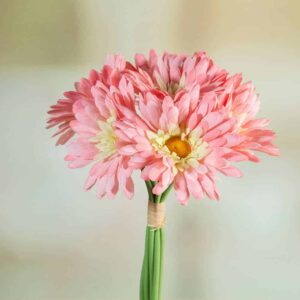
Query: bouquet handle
[151,275]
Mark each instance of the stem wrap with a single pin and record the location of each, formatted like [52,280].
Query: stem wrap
[156,215]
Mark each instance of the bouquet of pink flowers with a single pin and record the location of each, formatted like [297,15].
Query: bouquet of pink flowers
[179,120]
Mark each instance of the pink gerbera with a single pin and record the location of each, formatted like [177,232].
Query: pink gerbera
[181,149]
[192,120]
[90,113]
[96,142]
[242,103]
[173,73]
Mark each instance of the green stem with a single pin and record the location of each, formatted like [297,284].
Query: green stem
[166,193]
[156,269]
[151,275]
[162,246]
[144,286]
[150,259]
[149,186]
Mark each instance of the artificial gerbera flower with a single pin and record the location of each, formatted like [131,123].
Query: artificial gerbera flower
[96,142]
[184,150]
[242,103]
[192,120]
[172,73]
[90,113]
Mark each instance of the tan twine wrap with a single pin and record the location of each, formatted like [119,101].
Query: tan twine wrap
[156,215]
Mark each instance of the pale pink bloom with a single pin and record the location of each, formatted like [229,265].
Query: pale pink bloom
[171,73]
[96,142]
[185,151]
[242,102]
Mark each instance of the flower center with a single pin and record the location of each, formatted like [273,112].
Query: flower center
[184,147]
[181,147]
[105,139]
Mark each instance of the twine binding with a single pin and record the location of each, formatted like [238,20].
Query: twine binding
[156,215]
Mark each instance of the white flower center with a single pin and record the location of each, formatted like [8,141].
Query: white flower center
[105,139]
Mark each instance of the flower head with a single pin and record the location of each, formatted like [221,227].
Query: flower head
[171,73]
[184,151]
[179,119]
[96,143]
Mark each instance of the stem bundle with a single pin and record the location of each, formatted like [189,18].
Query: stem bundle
[151,276]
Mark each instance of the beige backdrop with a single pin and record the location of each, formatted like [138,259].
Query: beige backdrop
[57,242]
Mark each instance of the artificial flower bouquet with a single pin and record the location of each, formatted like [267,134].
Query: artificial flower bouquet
[179,120]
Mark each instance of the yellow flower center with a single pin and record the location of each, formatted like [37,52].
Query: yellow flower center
[181,147]
[186,148]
